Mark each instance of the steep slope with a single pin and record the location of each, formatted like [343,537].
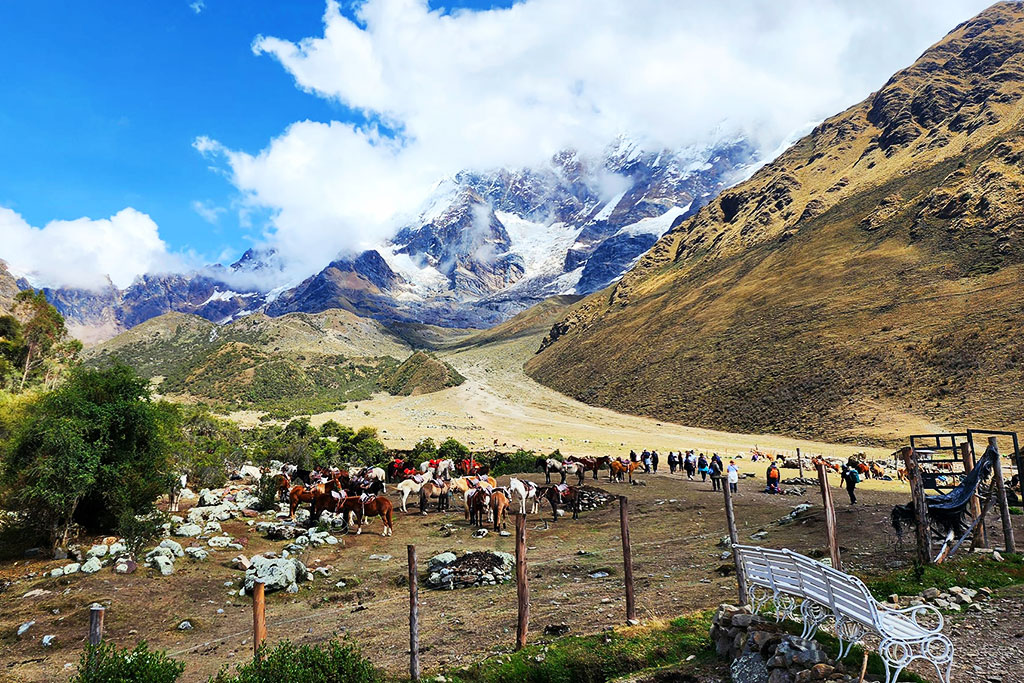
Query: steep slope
[297,362]
[8,289]
[422,373]
[867,281]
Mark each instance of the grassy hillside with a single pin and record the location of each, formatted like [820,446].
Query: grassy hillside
[295,363]
[865,283]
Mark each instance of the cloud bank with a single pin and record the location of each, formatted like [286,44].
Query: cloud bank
[508,87]
[83,253]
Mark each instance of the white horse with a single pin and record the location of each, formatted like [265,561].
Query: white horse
[445,469]
[563,468]
[525,490]
[378,474]
[408,487]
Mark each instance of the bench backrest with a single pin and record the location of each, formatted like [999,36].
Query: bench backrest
[851,597]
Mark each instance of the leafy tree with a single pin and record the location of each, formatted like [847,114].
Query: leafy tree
[452,449]
[43,334]
[203,445]
[331,428]
[89,452]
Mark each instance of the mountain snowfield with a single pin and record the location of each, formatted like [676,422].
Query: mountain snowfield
[483,246]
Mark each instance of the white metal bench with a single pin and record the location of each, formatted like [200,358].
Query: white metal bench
[783,577]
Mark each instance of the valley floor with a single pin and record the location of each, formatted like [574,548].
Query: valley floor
[500,406]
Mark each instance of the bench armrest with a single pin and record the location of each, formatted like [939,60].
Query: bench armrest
[917,611]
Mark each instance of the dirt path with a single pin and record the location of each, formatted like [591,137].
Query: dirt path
[499,405]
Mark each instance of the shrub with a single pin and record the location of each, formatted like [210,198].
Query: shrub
[105,663]
[266,492]
[452,449]
[137,531]
[330,663]
[520,461]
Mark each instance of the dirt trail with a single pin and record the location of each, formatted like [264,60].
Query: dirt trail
[500,405]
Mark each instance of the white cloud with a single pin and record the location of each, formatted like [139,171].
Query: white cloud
[82,252]
[208,211]
[511,86]
[198,6]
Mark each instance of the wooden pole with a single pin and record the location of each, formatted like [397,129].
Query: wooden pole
[1004,508]
[627,558]
[981,539]
[863,667]
[522,583]
[259,618]
[414,617]
[923,531]
[734,539]
[830,517]
[973,528]
[96,624]
[800,462]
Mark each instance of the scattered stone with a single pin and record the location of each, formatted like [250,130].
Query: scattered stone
[97,551]
[197,554]
[48,640]
[91,566]
[219,542]
[173,546]
[556,629]
[185,626]
[188,530]
[275,574]
[25,627]
[125,567]
[72,568]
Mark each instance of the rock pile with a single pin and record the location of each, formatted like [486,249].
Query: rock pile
[448,571]
[954,599]
[279,573]
[761,652]
[592,498]
[799,481]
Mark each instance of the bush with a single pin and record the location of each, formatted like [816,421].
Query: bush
[266,492]
[104,663]
[137,531]
[330,663]
[520,461]
[452,449]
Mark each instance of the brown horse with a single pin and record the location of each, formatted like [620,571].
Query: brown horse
[477,504]
[442,490]
[500,501]
[568,496]
[300,494]
[617,468]
[877,471]
[465,484]
[591,464]
[376,506]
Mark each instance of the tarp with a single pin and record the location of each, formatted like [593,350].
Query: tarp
[949,510]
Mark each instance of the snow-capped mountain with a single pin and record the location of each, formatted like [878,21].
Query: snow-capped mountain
[484,246]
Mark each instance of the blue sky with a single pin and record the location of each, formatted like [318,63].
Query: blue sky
[100,103]
[130,114]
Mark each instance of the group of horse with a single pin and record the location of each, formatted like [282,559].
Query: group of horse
[356,496]
[618,468]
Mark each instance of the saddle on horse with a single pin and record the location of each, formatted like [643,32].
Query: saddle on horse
[561,489]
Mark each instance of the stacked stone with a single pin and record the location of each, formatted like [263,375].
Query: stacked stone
[954,599]
[761,652]
[593,498]
[447,571]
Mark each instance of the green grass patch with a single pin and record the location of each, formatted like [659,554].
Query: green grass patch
[975,571]
[598,658]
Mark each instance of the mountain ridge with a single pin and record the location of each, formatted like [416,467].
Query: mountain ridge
[822,292]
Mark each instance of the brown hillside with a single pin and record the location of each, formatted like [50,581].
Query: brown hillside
[8,289]
[867,282]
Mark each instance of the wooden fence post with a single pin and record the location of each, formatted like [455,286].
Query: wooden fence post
[923,532]
[1004,508]
[414,617]
[800,462]
[981,536]
[522,583]
[259,618]
[734,538]
[627,558]
[96,624]
[830,517]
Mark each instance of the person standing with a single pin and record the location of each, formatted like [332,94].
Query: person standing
[673,459]
[716,473]
[647,461]
[691,465]
[733,473]
[851,478]
[654,461]
[702,467]
[773,478]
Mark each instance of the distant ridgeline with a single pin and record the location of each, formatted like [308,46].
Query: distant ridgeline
[291,364]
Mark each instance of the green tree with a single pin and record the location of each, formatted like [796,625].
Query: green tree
[452,449]
[203,445]
[43,333]
[89,452]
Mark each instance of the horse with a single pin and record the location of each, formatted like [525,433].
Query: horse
[500,501]
[525,490]
[478,501]
[327,496]
[411,486]
[300,494]
[283,485]
[561,494]
[617,468]
[374,506]
[178,484]
[469,467]
[436,488]
[877,471]
[863,469]
[466,484]
[375,473]
[590,464]
[393,470]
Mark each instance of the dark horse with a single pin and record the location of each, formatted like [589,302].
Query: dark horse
[569,497]
[591,464]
